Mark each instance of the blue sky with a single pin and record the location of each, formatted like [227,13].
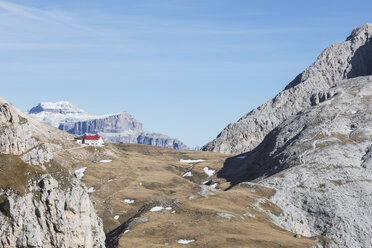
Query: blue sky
[185,68]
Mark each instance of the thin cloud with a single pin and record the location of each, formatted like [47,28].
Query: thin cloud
[42,46]
[35,14]
[20,10]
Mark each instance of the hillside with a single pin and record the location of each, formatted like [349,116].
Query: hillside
[319,163]
[153,197]
[145,195]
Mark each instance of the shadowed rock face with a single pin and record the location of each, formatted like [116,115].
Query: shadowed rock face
[319,161]
[349,59]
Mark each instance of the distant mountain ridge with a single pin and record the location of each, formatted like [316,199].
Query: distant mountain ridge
[120,127]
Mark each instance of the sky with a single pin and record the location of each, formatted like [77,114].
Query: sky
[185,68]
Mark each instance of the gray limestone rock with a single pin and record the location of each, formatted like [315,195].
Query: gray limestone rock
[39,155]
[319,162]
[156,139]
[348,59]
[15,135]
[49,217]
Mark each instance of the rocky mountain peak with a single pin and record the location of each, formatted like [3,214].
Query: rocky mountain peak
[7,115]
[364,31]
[63,107]
[349,59]
[119,127]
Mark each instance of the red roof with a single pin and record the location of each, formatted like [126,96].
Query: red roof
[92,137]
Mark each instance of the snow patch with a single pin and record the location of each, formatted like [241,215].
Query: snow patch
[249,214]
[208,171]
[91,190]
[106,161]
[185,241]
[187,174]
[156,209]
[226,216]
[80,172]
[191,161]
[159,208]
[213,186]
[116,217]
[129,201]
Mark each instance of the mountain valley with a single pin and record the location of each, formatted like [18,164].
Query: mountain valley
[295,172]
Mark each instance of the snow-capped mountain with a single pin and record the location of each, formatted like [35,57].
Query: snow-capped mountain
[56,113]
[120,127]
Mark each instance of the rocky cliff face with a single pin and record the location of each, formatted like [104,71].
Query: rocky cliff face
[36,209]
[156,139]
[116,128]
[319,162]
[118,123]
[55,218]
[349,59]
[15,135]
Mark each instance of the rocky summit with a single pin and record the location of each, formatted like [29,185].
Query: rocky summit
[348,59]
[121,127]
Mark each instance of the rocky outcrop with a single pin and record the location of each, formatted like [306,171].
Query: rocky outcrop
[15,135]
[319,162]
[48,216]
[6,115]
[349,59]
[48,213]
[155,139]
[39,155]
[115,128]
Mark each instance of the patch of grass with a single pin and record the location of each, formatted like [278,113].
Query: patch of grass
[366,100]
[322,185]
[337,182]
[301,185]
[322,145]
[272,208]
[280,175]
[357,138]
[22,120]
[15,173]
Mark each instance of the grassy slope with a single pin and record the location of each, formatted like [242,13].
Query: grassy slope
[15,173]
[147,174]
